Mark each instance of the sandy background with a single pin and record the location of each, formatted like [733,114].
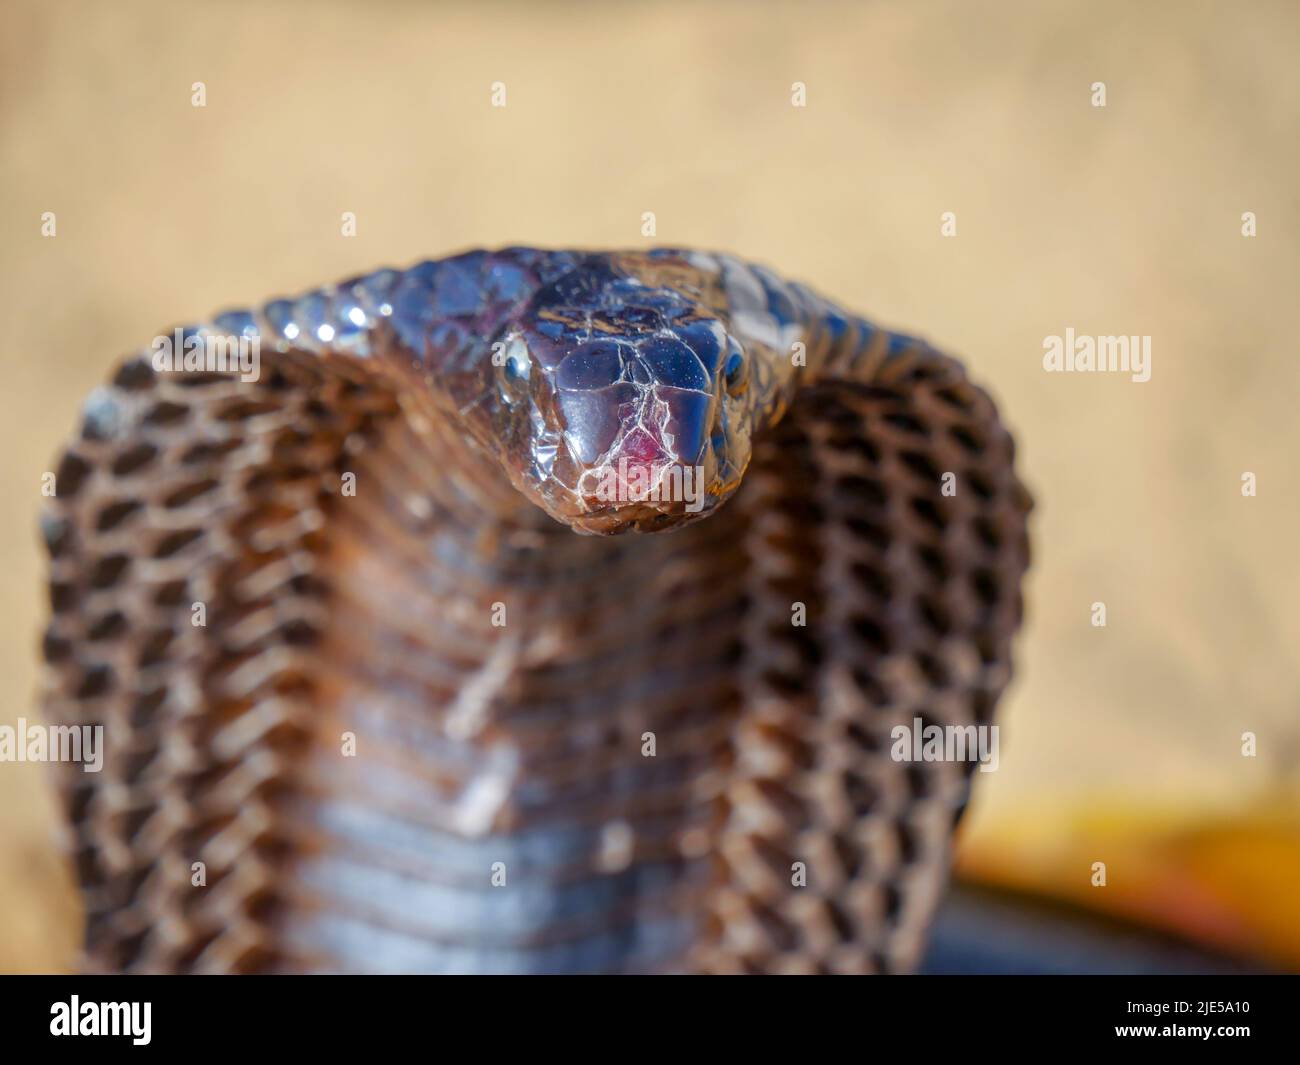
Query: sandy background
[1121,744]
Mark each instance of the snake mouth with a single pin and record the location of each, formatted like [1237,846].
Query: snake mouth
[645,482]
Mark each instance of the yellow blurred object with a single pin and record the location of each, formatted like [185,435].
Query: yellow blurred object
[1231,883]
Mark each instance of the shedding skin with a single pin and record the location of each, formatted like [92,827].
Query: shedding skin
[569,753]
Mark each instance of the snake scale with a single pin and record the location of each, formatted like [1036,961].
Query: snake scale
[354,661]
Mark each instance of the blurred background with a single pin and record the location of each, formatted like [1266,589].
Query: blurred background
[1121,744]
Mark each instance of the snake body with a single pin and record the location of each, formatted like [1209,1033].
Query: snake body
[371,705]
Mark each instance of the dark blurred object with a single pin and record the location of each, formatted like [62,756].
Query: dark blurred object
[986,932]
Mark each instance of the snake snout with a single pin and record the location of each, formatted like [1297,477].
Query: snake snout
[630,399]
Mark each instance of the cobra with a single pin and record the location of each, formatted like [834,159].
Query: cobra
[369,704]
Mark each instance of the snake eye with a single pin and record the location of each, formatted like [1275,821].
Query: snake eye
[736,373]
[513,359]
[516,369]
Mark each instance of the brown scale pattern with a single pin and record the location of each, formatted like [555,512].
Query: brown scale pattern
[911,602]
[522,744]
